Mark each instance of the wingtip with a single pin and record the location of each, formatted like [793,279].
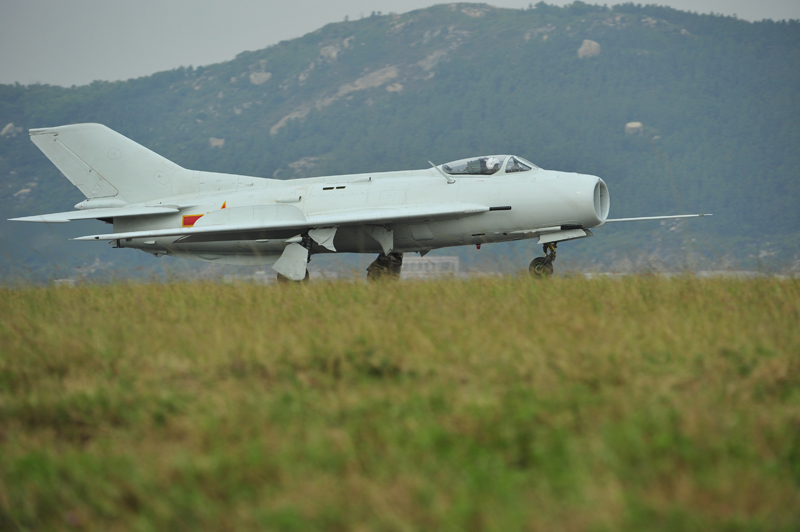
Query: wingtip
[39,218]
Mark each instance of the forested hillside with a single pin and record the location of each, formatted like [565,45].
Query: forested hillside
[716,97]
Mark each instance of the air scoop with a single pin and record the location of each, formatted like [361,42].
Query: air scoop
[591,201]
[602,201]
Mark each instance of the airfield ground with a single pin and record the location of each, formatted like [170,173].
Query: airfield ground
[640,403]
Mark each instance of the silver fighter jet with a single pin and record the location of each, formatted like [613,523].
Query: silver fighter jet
[161,208]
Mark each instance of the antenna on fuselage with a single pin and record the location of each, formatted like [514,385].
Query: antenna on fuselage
[450,180]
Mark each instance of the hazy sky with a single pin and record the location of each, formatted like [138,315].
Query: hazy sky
[73,42]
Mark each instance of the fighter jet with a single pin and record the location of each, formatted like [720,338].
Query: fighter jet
[162,208]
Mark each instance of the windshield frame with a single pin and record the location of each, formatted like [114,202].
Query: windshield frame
[476,166]
[461,167]
[520,160]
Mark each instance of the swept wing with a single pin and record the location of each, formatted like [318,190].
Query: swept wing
[296,219]
[96,214]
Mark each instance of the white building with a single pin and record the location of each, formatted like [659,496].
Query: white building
[429,267]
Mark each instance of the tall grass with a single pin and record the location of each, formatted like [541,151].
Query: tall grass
[490,404]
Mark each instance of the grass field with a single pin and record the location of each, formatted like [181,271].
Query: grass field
[641,403]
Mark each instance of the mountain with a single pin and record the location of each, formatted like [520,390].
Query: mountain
[678,112]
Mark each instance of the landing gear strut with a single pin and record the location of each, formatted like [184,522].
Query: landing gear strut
[543,266]
[385,267]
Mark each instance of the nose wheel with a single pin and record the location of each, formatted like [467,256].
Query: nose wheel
[543,266]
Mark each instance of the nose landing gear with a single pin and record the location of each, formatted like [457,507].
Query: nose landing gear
[543,266]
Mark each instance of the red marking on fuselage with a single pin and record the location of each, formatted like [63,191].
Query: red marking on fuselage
[190,219]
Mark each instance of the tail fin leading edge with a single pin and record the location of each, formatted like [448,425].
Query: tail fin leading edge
[104,164]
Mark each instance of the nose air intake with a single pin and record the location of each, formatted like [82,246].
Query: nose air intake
[601,200]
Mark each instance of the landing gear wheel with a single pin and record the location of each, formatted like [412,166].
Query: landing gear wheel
[282,279]
[385,267]
[540,267]
[543,266]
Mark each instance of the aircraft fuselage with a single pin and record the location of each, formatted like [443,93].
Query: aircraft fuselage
[522,205]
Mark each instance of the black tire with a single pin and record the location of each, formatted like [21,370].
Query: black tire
[386,267]
[382,274]
[540,267]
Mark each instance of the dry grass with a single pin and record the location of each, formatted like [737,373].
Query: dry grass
[489,404]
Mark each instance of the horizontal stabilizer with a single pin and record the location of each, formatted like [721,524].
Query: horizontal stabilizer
[386,215]
[95,214]
[658,218]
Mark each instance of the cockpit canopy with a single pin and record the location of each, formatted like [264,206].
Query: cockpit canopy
[488,165]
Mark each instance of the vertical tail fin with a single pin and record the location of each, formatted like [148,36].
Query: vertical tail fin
[104,164]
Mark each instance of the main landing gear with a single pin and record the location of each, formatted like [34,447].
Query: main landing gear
[385,267]
[543,266]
